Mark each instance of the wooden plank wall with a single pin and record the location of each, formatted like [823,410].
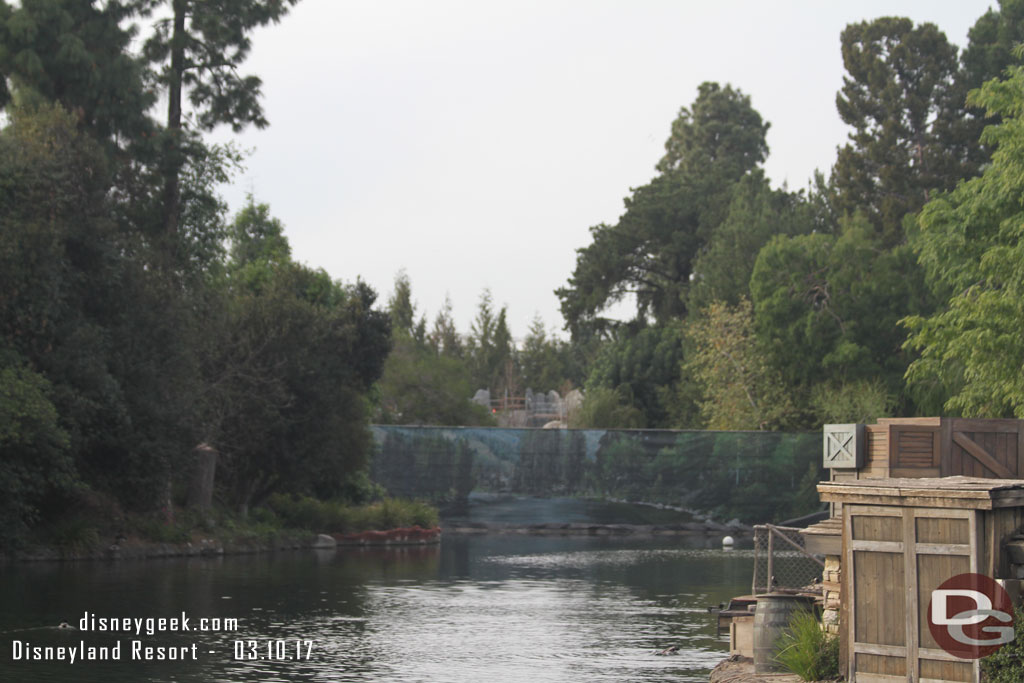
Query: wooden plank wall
[985,448]
[942,447]
[875,619]
[876,463]
[897,556]
[946,544]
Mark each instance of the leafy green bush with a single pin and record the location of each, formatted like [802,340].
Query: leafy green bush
[35,458]
[1007,664]
[806,650]
[605,408]
[359,488]
[160,531]
[73,534]
[861,401]
[265,516]
[333,516]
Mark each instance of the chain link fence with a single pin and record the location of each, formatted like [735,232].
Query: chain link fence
[780,561]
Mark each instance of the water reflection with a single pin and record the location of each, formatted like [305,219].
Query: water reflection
[492,508]
[500,608]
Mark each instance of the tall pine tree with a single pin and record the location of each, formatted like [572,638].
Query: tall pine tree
[910,138]
[197,50]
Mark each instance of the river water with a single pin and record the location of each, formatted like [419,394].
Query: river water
[496,607]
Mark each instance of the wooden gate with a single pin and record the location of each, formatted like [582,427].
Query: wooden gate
[984,448]
[894,558]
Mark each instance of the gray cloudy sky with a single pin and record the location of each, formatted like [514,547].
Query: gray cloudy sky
[475,143]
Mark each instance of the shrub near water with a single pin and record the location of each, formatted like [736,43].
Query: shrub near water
[333,516]
[808,651]
[1007,664]
[73,535]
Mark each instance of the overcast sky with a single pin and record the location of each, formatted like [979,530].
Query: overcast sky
[474,144]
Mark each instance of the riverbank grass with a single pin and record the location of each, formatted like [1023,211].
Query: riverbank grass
[806,650]
[325,516]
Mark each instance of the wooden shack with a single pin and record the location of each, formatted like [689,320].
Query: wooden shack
[905,448]
[916,447]
[901,539]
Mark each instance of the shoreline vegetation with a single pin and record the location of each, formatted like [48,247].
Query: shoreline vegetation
[304,523]
[284,523]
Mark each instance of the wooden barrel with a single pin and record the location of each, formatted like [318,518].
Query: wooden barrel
[774,610]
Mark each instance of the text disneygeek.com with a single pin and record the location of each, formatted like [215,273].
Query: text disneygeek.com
[151,625]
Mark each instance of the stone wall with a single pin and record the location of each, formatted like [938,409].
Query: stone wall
[831,583]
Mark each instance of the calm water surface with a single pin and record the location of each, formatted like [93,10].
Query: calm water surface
[477,608]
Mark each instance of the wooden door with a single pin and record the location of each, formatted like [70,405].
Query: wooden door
[895,558]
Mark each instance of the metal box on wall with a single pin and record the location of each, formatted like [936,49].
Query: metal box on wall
[843,445]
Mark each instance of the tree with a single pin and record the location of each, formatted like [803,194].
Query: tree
[82,310]
[122,347]
[863,401]
[910,136]
[989,52]
[990,44]
[444,337]
[756,214]
[971,248]
[403,311]
[296,356]
[75,53]
[505,375]
[256,236]
[419,386]
[605,408]
[36,460]
[741,390]
[425,379]
[827,307]
[650,252]
[643,367]
[400,305]
[548,362]
[197,50]
[489,349]
[721,132]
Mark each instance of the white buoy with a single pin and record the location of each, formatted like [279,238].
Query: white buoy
[727,542]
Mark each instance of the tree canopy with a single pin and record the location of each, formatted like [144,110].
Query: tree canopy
[649,253]
[970,245]
[910,136]
[123,347]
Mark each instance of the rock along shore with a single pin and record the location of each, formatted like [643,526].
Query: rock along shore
[212,547]
[736,669]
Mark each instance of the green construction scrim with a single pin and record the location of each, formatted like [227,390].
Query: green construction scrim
[753,476]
